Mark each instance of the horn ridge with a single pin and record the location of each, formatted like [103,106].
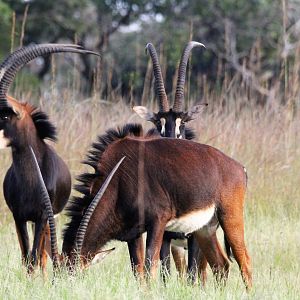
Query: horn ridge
[159,83]
[48,207]
[179,94]
[89,212]
[16,60]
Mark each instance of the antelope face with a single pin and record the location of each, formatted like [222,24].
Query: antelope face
[15,128]
[170,124]
[7,128]
[75,262]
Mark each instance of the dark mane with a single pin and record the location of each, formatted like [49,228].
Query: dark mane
[153,132]
[77,206]
[45,129]
[189,133]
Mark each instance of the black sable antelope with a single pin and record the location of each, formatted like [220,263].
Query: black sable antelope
[21,126]
[161,184]
[171,122]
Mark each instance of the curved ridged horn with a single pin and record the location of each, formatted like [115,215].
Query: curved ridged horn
[179,94]
[15,61]
[48,206]
[159,83]
[89,212]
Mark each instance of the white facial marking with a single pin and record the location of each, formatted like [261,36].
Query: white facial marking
[177,130]
[192,221]
[4,142]
[163,126]
[101,255]
[2,72]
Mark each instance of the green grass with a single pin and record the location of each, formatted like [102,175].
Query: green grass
[273,245]
[267,143]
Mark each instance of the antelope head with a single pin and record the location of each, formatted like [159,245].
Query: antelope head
[19,121]
[170,122]
[73,255]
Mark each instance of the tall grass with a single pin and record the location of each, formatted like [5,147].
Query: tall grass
[263,135]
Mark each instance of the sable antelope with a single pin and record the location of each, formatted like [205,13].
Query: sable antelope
[170,122]
[21,126]
[162,184]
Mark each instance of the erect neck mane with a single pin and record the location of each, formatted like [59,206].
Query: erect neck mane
[78,205]
[45,129]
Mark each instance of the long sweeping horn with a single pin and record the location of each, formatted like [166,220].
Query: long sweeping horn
[48,206]
[159,83]
[179,94]
[15,61]
[89,212]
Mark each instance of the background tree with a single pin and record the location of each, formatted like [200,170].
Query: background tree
[255,40]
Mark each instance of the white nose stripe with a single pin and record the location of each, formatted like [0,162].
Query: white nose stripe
[163,126]
[4,142]
[177,125]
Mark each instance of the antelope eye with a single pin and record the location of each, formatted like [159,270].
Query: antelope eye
[4,118]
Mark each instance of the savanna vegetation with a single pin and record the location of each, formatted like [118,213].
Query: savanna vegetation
[249,76]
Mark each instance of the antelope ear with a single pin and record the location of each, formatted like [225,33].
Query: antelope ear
[194,112]
[101,255]
[144,113]
[19,113]
[16,107]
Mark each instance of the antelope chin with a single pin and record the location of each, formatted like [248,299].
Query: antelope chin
[4,142]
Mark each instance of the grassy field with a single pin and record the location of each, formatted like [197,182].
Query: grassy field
[266,140]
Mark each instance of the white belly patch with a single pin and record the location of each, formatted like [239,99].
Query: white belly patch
[192,221]
[4,142]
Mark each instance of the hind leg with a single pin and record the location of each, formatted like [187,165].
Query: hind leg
[193,254]
[178,254]
[137,256]
[202,265]
[23,240]
[233,227]
[153,245]
[38,242]
[214,254]
[196,261]
[165,258]
[42,250]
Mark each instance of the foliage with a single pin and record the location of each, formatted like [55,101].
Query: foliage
[243,38]
[5,25]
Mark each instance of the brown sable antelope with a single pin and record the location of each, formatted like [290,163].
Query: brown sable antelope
[171,122]
[21,126]
[162,184]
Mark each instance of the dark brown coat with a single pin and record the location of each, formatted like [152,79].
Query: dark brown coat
[160,180]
